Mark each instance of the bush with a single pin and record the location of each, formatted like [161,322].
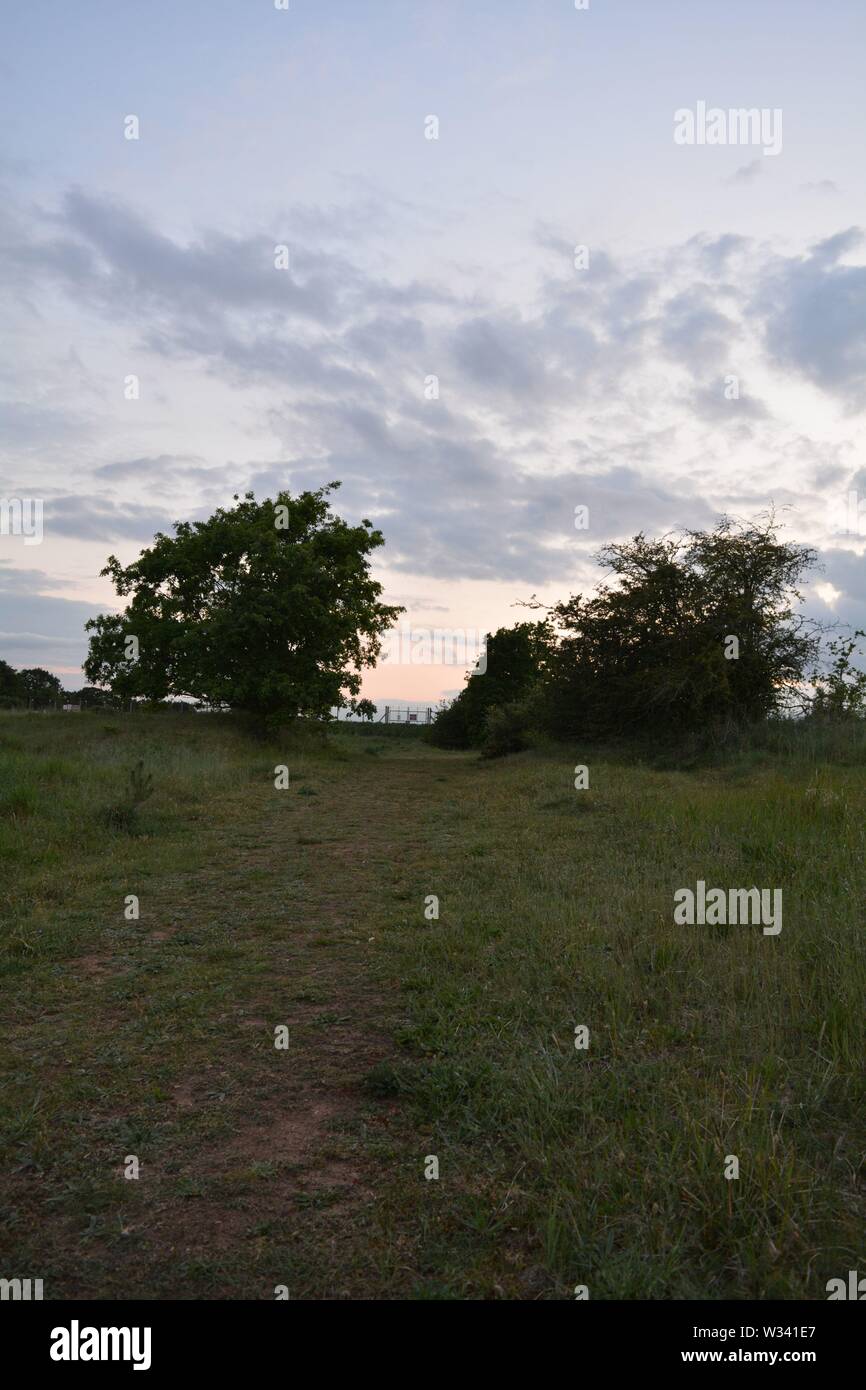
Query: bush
[514,658]
[450,728]
[507,729]
[699,630]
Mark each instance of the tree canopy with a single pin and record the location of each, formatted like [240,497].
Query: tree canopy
[692,631]
[267,607]
[39,688]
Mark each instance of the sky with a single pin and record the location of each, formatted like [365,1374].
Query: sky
[457,254]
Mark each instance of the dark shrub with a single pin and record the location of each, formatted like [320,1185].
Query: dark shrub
[507,729]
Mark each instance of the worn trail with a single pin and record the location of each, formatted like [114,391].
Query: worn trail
[258,1165]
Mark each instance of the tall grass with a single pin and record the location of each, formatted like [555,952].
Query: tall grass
[705,1042]
[67,818]
[558,1166]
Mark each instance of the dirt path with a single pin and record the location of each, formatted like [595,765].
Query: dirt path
[259,1166]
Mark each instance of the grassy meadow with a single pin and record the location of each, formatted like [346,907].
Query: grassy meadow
[304,1167]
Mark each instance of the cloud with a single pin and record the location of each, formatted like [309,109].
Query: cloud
[715,404]
[34,425]
[694,332]
[38,629]
[813,310]
[171,473]
[94,518]
[221,298]
[748,173]
[462,507]
[24,581]
[845,571]
[604,389]
[505,356]
[821,186]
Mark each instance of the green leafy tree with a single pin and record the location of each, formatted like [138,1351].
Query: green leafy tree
[39,689]
[267,607]
[11,692]
[651,650]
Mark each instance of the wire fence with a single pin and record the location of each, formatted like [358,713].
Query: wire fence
[405,714]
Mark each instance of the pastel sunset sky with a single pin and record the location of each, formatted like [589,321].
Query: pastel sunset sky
[657,332]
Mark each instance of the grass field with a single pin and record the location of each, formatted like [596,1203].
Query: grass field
[408,1038]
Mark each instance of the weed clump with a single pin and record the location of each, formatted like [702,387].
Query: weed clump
[124,815]
[18,803]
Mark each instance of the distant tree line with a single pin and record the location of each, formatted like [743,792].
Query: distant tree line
[35,688]
[270,608]
[696,632]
